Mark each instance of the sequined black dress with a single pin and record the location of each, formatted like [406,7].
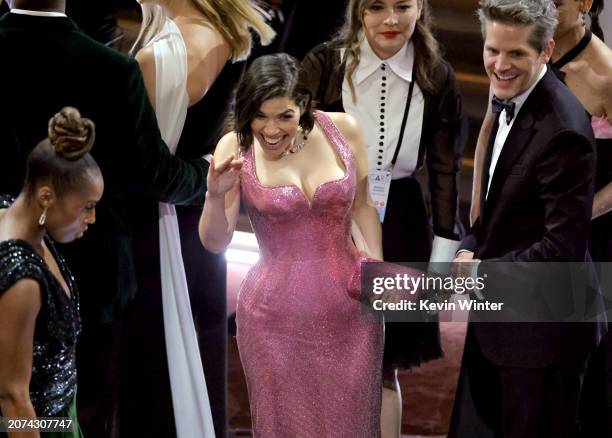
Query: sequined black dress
[53,383]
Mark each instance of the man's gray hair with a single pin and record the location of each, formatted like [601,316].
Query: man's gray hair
[542,14]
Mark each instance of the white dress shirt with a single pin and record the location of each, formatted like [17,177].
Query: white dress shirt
[504,128]
[37,13]
[381,88]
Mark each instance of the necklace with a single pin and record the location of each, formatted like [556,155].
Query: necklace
[296,147]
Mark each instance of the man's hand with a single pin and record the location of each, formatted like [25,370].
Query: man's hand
[464,256]
[464,264]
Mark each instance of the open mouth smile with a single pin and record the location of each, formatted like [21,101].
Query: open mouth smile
[272,141]
[505,78]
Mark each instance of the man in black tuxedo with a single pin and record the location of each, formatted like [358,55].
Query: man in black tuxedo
[524,379]
[48,63]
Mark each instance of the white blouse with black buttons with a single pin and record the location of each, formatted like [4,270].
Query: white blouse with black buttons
[381,88]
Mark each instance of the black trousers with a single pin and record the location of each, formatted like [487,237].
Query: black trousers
[98,353]
[507,402]
[595,413]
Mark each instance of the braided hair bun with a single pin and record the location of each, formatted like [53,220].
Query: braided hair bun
[71,135]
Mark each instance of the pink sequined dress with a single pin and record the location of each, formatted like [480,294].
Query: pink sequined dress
[312,360]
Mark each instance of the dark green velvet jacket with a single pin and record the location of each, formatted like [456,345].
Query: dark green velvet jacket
[48,63]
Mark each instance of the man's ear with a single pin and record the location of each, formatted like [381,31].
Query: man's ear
[548,51]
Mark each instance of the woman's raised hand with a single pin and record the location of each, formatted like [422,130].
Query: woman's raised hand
[223,176]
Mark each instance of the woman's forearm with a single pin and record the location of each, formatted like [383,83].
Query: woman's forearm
[365,218]
[602,203]
[17,404]
[215,232]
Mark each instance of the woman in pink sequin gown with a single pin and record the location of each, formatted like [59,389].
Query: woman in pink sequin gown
[312,360]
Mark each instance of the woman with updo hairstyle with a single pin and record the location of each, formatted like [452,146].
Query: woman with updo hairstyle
[311,357]
[385,69]
[39,301]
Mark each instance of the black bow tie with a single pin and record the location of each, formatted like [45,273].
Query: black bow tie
[500,105]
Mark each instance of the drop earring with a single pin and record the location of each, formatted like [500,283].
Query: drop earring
[43,217]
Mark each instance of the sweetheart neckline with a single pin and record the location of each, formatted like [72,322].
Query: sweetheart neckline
[309,202]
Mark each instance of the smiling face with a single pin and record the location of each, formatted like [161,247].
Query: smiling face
[510,61]
[276,124]
[389,24]
[69,216]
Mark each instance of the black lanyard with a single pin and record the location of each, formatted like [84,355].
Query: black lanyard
[405,118]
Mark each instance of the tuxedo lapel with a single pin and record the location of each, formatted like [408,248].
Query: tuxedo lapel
[517,140]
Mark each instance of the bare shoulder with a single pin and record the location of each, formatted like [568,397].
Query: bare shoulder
[207,53]
[350,130]
[22,298]
[200,38]
[146,59]
[228,145]
[603,55]
[597,57]
[347,125]
[596,75]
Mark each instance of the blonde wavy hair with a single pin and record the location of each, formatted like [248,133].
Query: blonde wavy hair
[234,19]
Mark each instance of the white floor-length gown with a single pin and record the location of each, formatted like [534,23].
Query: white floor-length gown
[192,412]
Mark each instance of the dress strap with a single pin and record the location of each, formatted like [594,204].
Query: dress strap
[247,155]
[334,135]
[574,51]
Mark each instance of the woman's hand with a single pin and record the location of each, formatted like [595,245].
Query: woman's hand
[223,176]
[222,205]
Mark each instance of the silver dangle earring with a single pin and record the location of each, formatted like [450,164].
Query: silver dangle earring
[42,218]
